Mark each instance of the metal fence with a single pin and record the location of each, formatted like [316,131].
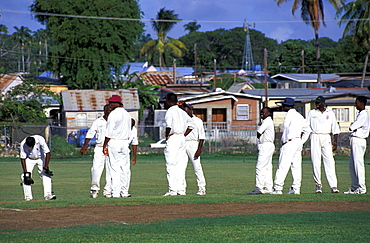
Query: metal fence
[234,141]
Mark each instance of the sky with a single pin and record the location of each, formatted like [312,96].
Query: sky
[275,22]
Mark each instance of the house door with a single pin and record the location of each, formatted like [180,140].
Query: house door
[201,113]
[219,118]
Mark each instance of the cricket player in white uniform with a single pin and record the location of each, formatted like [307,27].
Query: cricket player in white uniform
[266,148]
[194,143]
[116,144]
[134,142]
[322,123]
[360,131]
[178,125]
[295,133]
[34,151]
[98,129]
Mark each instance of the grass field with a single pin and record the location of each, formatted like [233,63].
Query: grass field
[229,179]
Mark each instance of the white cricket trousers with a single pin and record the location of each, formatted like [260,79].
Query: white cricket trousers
[191,148]
[100,160]
[321,147]
[176,160]
[119,166]
[264,166]
[46,180]
[290,157]
[356,164]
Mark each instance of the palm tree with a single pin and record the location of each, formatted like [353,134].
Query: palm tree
[312,12]
[163,43]
[192,26]
[356,16]
[22,36]
[41,36]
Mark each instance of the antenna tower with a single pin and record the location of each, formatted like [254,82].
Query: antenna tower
[248,62]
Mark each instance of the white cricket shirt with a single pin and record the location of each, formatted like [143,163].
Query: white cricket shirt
[361,125]
[98,128]
[266,130]
[178,120]
[322,122]
[38,151]
[198,132]
[119,124]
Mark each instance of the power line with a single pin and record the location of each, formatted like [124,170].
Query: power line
[175,21]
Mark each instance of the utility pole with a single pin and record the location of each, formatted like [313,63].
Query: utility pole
[302,61]
[214,74]
[174,71]
[195,58]
[265,73]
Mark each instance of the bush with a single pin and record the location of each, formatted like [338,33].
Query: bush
[60,147]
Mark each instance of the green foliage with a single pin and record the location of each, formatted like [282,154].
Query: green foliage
[23,103]
[358,27]
[60,147]
[148,97]
[164,46]
[226,46]
[85,51]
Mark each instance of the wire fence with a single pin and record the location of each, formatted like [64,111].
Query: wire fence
[217,140]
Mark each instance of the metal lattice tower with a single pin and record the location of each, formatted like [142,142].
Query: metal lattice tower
[248,62]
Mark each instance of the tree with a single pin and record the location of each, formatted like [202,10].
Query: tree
[164,22]
[192,26]
[22,36]
[226,46]
[356,16]
[147,94]
[24,103]
[86,51]
[312,12]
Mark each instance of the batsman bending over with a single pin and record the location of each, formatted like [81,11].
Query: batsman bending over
[34,151]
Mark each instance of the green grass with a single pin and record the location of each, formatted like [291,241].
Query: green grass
[289,227]
[229,179]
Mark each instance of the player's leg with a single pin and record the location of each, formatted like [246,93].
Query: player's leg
[97,169]
[316,160]
[27,189]
[328,161]
[192,147]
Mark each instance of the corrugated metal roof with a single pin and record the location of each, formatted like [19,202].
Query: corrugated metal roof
[92,100]
[159,78]
[307,94]
[7,79]
[303,77]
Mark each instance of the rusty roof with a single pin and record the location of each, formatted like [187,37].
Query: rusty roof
[157,78]
[7,79]
[92,100]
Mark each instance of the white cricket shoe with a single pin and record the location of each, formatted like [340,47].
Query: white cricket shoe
[276,192]
[334,190]
[125,195]
[318,189]
[94,193]
[28,199]
[50,197]
[201,192]
[293,191]
[170,193]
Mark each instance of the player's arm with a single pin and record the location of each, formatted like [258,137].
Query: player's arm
[188,130]
[105,149]
[134,151]
[335,142]
[199,150]
[47,160]
[23,163]
[84,147]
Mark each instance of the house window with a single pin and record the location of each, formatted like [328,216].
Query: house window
[81,120]
[201,113]
[242,112]
[342,114]
[219,118]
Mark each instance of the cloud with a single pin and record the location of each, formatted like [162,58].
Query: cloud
[281,33]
